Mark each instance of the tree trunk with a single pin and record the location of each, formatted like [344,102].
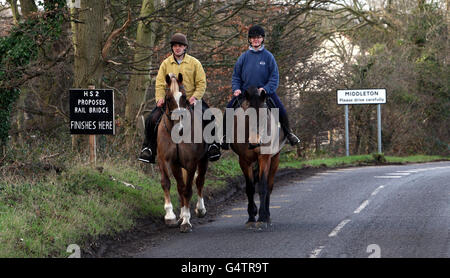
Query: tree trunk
[15,11]
[27,7]
[88,43]
[140,80]
[447,17]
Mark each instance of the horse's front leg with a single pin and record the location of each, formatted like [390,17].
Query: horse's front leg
[274,162]
[252,209]
[170,218]
[185,194]
[200,209]
[264,196]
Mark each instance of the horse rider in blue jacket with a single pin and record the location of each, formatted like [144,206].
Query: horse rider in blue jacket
[257,68]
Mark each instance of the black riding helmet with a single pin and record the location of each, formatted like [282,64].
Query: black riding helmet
[256,31]
[179,38]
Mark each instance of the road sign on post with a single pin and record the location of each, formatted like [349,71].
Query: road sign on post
[361,96]
[91,113]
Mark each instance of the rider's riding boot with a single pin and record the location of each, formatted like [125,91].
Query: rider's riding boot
[213,149]
[148,152]
[292,138]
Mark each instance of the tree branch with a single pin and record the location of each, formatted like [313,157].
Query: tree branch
[111,37]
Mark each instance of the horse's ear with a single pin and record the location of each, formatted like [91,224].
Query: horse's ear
[180,78]
[168,79]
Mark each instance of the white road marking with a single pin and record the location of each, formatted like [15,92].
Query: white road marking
[276,201]
[338,228]
[362,206]
[280,201]
[316,252]
[408,171]
[399,174]
[388,177]
[377,190]
[238,209]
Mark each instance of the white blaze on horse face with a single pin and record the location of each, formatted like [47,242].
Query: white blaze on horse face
[177,96]
[175,89]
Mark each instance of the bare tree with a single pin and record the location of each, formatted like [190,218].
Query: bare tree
[140,79]
[88,28]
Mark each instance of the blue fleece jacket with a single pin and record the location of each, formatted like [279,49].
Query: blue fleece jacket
[256,68]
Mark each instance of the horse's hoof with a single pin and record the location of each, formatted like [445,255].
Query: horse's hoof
[171,223]
[186,228]
[200,213]
[261,226]
[250,225]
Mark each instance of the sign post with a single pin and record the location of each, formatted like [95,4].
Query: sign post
[91,113]
[379,127]
[346,131]
[361,96]
[92,143]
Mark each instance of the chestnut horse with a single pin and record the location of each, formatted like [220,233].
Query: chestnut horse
[257,164]
[183,159]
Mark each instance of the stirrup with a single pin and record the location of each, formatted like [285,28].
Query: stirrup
[145,157]
[293,139]
[216,152]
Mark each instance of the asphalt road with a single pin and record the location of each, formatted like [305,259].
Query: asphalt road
[400,211]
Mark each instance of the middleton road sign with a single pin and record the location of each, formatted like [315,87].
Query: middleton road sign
[361,96]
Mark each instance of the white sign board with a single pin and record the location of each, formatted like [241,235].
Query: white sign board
[361,96]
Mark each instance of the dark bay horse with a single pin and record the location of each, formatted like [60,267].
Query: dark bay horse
[258,161]
[183,159]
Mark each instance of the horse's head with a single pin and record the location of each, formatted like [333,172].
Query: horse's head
[254,101]
[255,98]
[176,95]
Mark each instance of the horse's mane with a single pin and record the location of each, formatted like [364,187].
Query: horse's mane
[173,85]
